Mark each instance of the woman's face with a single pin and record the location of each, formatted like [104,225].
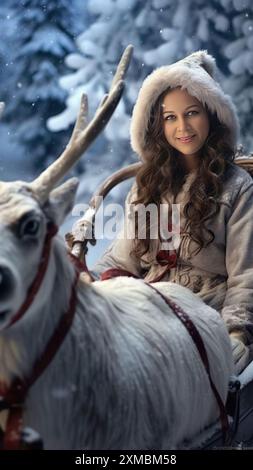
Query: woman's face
[186,124]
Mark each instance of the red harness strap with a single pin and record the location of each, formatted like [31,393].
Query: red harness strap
[114,272]
[13,398]
[34,287]
[193,332]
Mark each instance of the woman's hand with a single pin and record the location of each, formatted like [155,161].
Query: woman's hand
[241,352]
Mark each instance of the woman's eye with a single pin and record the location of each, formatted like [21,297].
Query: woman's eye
[29,228]
[192,113]
[169,118]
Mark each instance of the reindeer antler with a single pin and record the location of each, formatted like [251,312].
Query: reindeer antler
[84,134]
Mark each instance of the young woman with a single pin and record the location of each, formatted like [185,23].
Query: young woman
[185,129]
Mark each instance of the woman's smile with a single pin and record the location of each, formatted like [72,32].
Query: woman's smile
[186,140]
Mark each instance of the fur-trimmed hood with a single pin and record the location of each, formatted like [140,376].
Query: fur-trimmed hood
[196,73]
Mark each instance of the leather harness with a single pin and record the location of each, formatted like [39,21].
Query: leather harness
[13,398]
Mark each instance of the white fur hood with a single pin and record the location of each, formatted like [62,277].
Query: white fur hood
[195,73]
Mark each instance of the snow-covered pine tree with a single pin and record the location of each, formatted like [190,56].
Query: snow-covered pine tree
[161,31]
[7,27]
[239,58]
[43,36]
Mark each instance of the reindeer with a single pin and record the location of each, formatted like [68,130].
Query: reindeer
[102,365]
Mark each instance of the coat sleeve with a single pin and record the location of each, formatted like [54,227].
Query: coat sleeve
[119,255]
[238,304]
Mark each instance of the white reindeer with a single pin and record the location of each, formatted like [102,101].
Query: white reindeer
[127,375]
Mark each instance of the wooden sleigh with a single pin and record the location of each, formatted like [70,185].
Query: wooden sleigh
[240,397]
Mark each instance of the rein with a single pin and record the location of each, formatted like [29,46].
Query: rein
[13,398]
[34,287]
[193,332]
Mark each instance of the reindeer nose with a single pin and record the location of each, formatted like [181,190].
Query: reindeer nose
[6,282]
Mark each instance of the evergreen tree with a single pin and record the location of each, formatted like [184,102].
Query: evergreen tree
[162,32]
[43,36]
[7,27]
[238,54]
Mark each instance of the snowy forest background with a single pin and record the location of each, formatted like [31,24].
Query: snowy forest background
[53,50]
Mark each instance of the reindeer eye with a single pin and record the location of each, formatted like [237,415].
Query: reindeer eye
[29,227]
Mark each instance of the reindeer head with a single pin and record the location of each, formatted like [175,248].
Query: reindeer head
[24,222]
[28,211]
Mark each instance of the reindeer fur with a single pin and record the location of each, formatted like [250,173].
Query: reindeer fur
[128,375]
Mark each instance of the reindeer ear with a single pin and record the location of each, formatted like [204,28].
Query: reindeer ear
[61,201]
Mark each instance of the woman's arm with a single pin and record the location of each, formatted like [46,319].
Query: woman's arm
[238,305]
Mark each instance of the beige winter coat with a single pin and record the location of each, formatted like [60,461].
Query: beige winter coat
[222,273]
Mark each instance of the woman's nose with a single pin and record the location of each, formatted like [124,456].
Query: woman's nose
[182,124]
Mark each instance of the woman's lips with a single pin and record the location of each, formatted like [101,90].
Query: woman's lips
[186,140]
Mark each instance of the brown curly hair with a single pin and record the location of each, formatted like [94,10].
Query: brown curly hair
[163,172]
